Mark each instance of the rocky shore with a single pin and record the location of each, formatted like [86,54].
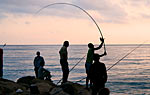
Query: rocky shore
[29,85]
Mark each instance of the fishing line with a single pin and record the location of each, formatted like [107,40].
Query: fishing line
[80,9]
[117,61]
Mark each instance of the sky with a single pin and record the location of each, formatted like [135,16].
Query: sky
[120,21]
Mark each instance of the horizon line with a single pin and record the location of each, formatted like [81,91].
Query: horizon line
[81,44]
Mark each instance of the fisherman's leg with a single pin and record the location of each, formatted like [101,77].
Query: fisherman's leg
[87,67]
[87,81]
[91,84]
[47,76]
[36,71]
[63,70]
[94,89]
[1,72]
[66,72]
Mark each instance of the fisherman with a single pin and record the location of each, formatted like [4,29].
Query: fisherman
[38,61]
[98,74]
[1,63]
[63,61]
[89,59]
[43,73]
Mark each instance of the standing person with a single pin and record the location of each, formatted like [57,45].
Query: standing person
[38,60]
[1,63]
[98,74]
[63,61]
[89,59]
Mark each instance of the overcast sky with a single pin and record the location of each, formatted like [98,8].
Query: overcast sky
[121,21]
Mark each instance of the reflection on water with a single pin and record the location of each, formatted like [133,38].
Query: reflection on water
[130,77]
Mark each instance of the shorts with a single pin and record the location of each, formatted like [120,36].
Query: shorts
[87,67]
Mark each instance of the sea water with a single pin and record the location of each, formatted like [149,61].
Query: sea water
[131,76]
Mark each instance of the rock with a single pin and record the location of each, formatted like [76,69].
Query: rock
[8,87]
[34,89]
[30,86]
[68,88]
[75,89]
[44,86]
[58,91]
[26,80]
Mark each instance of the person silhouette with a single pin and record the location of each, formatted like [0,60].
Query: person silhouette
[43,73]
[38,60]
[1,63]
[89,59]
[63,61]
[98,74]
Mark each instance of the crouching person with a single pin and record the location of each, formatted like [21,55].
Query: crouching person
[98,74]
[44,74]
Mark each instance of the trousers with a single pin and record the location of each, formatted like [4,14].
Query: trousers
[65,69]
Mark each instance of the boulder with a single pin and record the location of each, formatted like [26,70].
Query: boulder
[8,87]
[30,86]
[75,89]
[58,91]
[44,86]
[70,88]
[26,80]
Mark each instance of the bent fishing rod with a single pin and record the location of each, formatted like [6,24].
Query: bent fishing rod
[84,12]
[118,60]
[78,8]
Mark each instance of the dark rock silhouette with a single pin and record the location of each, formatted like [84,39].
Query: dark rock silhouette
[26,85]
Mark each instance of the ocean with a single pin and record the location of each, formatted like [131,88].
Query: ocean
[131,76]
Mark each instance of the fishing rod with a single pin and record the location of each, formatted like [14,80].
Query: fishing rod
[125,56]
[84,12]
[118,60]
[3,45]
[73,67]
[80,9]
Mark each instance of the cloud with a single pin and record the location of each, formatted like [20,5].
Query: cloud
[108,11]
[146,16]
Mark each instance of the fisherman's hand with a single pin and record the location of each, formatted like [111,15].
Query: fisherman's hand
[102,40]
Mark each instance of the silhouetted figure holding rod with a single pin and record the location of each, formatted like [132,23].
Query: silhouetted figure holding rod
[1,63]
[89,59]
[38,60]
[63,61]
[98,74]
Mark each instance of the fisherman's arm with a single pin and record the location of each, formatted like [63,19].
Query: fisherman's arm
[105,53]
[102,41]
[43,61]
[105,74]
[34,62]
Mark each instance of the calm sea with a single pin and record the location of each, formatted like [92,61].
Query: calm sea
[129,77]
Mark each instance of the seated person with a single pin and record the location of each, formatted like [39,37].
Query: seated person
[44,74]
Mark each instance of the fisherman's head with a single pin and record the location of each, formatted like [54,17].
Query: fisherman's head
[90,45]
[38,53]
[96,57]
[66,43]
